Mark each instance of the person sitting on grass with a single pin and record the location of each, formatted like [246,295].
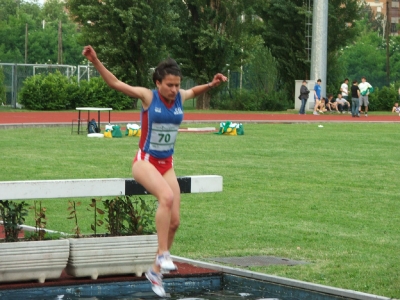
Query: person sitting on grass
[321,106]
[331,104]
[396,108]
[342,104]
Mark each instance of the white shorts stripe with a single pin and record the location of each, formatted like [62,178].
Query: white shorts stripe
[147,157]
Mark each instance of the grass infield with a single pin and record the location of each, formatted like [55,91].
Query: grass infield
[328,196]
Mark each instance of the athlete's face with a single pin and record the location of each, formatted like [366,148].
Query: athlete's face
[169,87]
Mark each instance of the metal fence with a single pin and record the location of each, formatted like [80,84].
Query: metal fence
[15,75]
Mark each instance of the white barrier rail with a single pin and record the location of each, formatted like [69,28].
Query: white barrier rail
[72,188]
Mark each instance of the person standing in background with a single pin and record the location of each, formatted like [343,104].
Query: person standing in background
[317,96]
[355,96]
[304,93]
[344,89]
[364,92]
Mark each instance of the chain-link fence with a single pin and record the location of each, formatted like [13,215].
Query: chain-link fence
[15,75]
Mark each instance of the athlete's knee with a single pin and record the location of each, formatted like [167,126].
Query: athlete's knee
[166,199]
[174,225]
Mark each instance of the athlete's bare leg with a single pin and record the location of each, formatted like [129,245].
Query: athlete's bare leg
[149,177]
[170,177]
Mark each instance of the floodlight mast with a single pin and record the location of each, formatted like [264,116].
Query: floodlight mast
[319,46]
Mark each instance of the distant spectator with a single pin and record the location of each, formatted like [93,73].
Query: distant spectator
[304,93]
[342,104]
[344,89]
[355,98]
[365,89]
[317,96]
[331,104]
[396,108]
[321,106]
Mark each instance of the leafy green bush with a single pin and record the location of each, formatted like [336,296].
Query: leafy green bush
[57,92]
[383,99]
[45,92]
[249,100]
[96,93]
[277,101]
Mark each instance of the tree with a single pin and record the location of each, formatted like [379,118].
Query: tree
[130,36]
[394,59]
[42,24]
[52,15]
[262,70]
[283,31]
[341,32]
[8,8]
[365,56]
[215,34]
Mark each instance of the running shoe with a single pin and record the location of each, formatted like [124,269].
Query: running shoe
[165,271]
[165,262]
[156,282]
[315,113]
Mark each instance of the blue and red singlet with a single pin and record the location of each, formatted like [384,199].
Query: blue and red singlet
[160,124]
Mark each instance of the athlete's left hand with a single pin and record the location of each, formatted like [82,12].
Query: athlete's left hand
[218,79]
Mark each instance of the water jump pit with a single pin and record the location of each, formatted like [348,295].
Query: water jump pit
[195,280]
[213,287]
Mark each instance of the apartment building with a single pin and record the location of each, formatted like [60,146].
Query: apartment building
[381,7]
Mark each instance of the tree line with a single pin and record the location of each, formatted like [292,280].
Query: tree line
[263,40]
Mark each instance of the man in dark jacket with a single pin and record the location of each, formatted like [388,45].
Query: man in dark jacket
[304,92]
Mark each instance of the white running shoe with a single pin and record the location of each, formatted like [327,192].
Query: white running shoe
[164,271]
[156,282]
[315,113]
[165,262]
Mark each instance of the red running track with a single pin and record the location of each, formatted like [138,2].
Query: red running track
[15,117]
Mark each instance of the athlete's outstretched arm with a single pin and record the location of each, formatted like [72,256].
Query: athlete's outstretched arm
[201,89]
[142,93]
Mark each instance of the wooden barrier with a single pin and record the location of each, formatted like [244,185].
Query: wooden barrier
[73,188]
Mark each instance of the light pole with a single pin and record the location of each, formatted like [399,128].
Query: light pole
[228,74]
[319,46]
[26,43]
[59,46]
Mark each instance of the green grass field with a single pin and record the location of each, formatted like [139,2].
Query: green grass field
[328,196]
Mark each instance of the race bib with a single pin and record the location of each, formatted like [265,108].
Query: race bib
[163,136]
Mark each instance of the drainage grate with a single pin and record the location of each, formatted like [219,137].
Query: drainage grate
[252,261]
